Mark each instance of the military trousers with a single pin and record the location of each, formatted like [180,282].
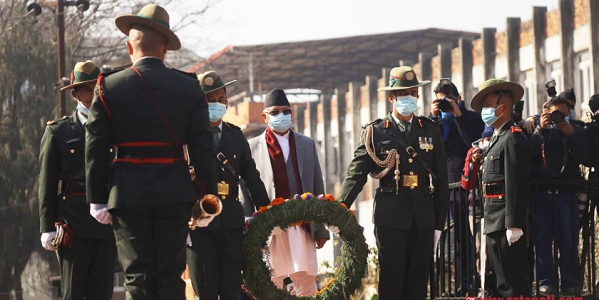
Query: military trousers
[510,264]
[151,249]
[214,261]
[87,271]
[405,258]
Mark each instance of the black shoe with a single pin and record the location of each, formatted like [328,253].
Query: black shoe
[572,292]
[546,290]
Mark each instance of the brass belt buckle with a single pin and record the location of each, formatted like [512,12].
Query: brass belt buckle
[410,181]
[223,188]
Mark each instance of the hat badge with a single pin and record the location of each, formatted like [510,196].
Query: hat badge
[410,75]
[208,81]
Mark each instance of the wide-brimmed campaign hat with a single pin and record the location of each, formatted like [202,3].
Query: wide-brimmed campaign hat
[210,81]
[495,85]
[153,16]
[83,73]
[401,78]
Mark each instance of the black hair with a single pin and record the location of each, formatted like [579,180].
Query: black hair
[594,103]
[555,101]
[453,90]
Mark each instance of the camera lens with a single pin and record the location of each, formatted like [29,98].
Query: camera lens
[444,105]
[557,117]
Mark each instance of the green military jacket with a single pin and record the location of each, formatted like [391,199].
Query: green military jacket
[236,151]
[124,112]
[62,167]
[396,207]
[507,165]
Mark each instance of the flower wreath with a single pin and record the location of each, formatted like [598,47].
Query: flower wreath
[288,212]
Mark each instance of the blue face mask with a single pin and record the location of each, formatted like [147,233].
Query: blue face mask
[488,115]
[405,105]
[567,119]
[445,115]
[280,122]
[216,111]
[80,107]
[572,113]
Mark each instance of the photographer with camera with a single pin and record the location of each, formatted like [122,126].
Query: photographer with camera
[559,147]
[460,127]
[533,121]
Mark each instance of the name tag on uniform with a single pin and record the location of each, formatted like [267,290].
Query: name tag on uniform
[386,142]
[73,140]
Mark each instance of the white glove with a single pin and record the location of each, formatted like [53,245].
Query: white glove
[333,229]
[276,231]
[46,240]
[513,235]
[203,222]
[436,242]
[188,240]
[100,212]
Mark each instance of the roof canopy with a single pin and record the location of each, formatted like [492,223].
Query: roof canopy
[323,64]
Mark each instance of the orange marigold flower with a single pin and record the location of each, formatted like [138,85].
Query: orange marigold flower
[352,212]
[277,201]
[343,204]
[262,209]
[329,197]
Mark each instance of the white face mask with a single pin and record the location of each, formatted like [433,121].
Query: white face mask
[483,144]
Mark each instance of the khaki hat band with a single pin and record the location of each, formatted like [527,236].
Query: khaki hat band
[155,20]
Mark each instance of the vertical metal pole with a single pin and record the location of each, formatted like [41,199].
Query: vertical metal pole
[62,107]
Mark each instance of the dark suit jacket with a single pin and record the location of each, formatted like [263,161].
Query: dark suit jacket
[62,160]
[237,151]
[126,113]
[507,160]
[397,210]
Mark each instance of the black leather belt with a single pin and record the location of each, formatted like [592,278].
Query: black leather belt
[76,188]
[493,189]
[148,152]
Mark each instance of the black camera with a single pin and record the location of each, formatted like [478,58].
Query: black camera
[443,104]
[517,113]
[550,88]
[557,117]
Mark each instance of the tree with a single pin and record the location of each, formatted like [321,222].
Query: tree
[28,100]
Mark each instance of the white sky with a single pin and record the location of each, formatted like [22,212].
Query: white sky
[248,22]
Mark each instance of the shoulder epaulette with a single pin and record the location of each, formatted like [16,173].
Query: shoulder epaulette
[372,123]
[191,74]
[106,74]
[425,119]
[52,122]
[231,125]
[516,129]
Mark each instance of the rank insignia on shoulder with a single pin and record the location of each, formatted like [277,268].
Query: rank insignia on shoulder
[372,123]
[420,122]
[516,129]
[387,124]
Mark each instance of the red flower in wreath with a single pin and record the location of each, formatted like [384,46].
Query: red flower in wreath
[343,204]
[352,213]
[329,197]
[277,201]
[262,209]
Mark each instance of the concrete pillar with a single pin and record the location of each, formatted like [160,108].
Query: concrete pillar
[539,25]
[406,62]
[353,103]
[488,37]
[467,90]
[328,165]
[513,50]
[372,86]
[299,118]
[566,8]
[313,109]
[342,140]
[424,59]
[594,42]
[444,52]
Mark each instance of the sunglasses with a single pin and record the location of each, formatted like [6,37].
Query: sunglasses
[275,112]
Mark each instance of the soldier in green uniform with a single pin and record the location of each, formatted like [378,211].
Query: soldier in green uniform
[88,251]
[214,252]
[149,112]
[407,154]
[506,182]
